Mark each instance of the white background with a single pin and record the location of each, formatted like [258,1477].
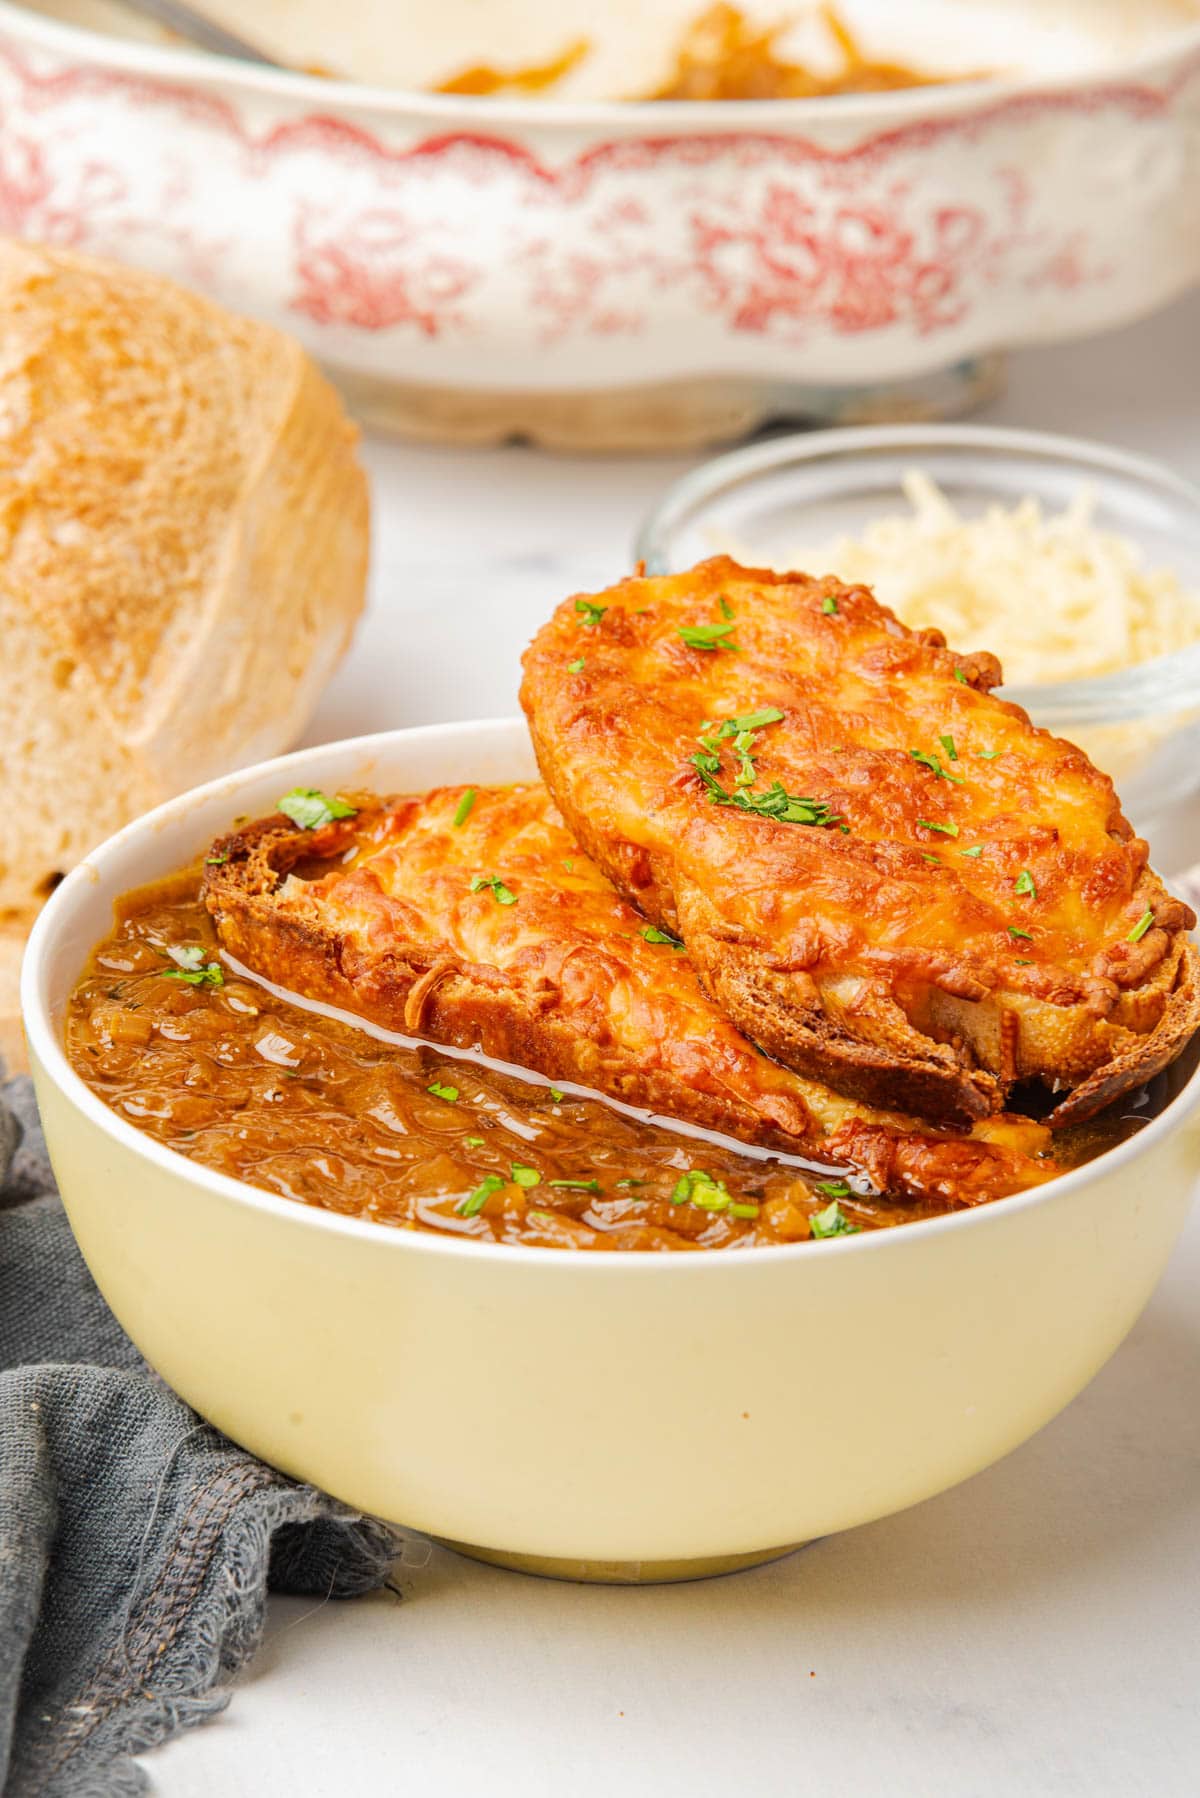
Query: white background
[1035,1632]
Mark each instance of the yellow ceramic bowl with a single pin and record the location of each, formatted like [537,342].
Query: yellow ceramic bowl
[605,1414]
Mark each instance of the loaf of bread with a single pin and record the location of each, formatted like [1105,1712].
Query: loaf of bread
[183,548]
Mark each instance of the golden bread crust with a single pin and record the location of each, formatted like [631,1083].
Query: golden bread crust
[375,914]
[966,906]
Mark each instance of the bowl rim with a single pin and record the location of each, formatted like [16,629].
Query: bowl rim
[896,104]
[103,864]
[1143,690]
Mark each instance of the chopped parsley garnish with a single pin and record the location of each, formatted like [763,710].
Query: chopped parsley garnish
[977,850]
[541,1217]
[707,636]
[947,744]
[775,803]
[463,809]
[947,830]
[930,858]
[1141,927]
[503,895]
[632,1182]
[308,808]
[726,608]
[832,1222]
[474,1142]
[215,861]
[742,1208]
[1013,931]
[653,934]
[192,969]
[475,1201]
[525,1176]
[1022,961]
[578,1185]
[829,606]
[934,765]
[449,1093]
[556,1095]
[589,614]
[832,1189]
[703,1190]
[959,675]
[576,667]
[987,755]
[1025,884]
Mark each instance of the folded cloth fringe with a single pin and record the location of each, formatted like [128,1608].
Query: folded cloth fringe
[137,1544]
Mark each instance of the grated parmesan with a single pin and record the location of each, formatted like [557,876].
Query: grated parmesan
[1053,595]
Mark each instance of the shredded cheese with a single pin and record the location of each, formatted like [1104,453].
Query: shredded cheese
[1053,595]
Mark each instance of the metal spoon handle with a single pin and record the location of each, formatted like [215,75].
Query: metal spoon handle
[191,23]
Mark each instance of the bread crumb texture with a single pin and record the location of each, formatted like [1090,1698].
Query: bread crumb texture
[183,548]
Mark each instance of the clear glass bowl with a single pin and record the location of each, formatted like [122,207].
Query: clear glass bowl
[1141,724]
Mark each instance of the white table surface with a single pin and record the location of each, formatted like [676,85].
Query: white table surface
[1034,1632]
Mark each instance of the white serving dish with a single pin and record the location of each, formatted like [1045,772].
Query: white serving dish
[594,272]
[598,1415]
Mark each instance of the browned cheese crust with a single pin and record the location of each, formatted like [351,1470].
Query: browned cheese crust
[376,914]
[960,905]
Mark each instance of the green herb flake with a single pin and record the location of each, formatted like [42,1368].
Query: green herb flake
[726,608]
[589,614]
[702,1190]
[576,667]
[930,858]
[541,1217]
[947,744]
[1141,927]
[832,1222]
[206,974]
[475,1201]
[832,1189]
[767,714]
[1025,934]
[502,894]
[556,1095]
[475,1142]
[1022,961]
[960,676]
[215,861]
[829,606]
[947,830]
[988,755]
[463,809]
[934,765]
[1025,884]
[439,1091]
[633,1183]
[653,934]
[308,808]
[525,1176]
[577,1185]
[707,636]
[976,850]
[743,1208]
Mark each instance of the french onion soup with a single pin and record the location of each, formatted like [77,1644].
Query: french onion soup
[436,1013]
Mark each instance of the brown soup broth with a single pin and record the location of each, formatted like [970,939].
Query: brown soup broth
[321,1111]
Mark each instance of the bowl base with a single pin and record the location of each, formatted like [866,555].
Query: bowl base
[663,415]
[620,1573]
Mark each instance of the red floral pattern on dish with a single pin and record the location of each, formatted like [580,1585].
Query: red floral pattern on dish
[743,235]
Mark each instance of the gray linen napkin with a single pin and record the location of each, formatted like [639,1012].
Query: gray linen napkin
[136,1543]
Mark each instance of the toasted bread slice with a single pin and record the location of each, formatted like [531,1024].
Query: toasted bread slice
[885,875]
[497,933]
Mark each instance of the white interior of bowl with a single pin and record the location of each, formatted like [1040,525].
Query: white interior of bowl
[80,912]
[631,43]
